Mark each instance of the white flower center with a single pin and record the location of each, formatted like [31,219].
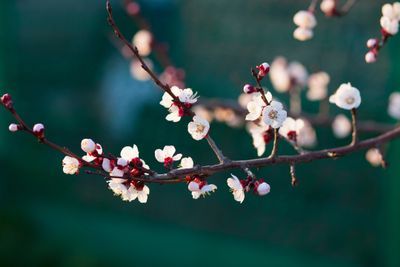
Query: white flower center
[200,128]
[350,100]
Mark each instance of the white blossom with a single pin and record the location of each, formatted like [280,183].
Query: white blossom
[167,155]
[290,128]
[199,188]
[133,193]
[305,19]
[259,134]
[236,187]
[298,73]
[346,97]
[394,105]
[303,34]
[274,114]
[256,105]
[186,163]
[70,165]
[117,186]
[307,136]
[341,126]
[391,11]
[279,75]
[318,86]
[167,100]
[129,153]
[198,128]
[187,96]
[389,25]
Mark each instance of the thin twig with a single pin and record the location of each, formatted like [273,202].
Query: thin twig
[274,145]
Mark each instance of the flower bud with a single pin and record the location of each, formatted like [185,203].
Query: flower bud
[13,127]
[263,69]
[371,43]
[370,57]
[263,189]
[7,101]
[88,145]
[249,89]
[38,130]
[328,7]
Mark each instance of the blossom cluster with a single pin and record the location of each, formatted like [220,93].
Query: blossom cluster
[389,23]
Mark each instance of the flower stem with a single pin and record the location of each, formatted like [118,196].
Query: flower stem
[274,145]
[354,127]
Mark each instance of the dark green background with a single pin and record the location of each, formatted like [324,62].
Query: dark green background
[57,60]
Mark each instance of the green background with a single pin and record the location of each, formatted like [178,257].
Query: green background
[58,62]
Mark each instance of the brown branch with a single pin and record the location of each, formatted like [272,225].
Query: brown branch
[331,153]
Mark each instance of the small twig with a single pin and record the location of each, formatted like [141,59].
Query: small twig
[259,86]
[217,151]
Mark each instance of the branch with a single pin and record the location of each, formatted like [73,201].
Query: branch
[164,87]
[331,153]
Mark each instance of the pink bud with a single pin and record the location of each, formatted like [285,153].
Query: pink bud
[38,130]
[13,127]
[263,69]
[370,57]
[249,89]
[371,43]
[263,189]
[7,101]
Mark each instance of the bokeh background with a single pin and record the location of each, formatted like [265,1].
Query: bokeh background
[58,62]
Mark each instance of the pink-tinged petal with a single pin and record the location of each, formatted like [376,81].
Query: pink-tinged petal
[177,157]
[169,151]
[193,186]
[159,155]
[88,158]
[196,194]
[106,165]
[142,197]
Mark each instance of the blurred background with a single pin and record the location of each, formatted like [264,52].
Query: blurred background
[59,61]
